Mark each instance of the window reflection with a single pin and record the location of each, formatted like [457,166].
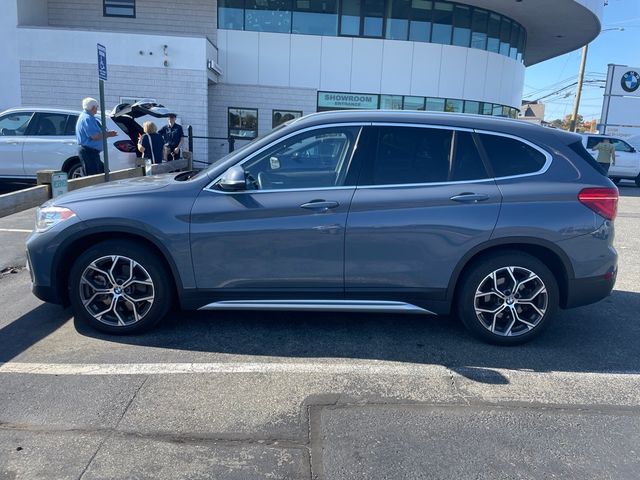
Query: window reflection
[268,16]
[420,25]
[442,21]
[372,11]
[479,26]
[350,18]
[462,26]
[413,103]
[391,102]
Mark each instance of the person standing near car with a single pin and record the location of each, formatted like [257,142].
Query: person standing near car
[606,154]
[172,134]
[89,137]
[151,143]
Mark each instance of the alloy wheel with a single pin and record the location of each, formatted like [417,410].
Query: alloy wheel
[511,301]
[116,290]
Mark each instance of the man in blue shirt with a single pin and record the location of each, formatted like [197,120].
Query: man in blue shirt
[89,137]
[172,134]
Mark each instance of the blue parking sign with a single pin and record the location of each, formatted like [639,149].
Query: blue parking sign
[102,62]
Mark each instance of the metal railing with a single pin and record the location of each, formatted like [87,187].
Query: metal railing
[231,142]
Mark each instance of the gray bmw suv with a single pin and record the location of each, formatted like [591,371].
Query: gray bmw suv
[497,221]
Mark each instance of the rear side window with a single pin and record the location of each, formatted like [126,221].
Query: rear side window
[71,125]
[413,155]
[49,124]
[509,156]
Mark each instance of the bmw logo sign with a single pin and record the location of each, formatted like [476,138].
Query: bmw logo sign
[630,81]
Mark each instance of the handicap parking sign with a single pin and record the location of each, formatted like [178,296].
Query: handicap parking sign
[102,62]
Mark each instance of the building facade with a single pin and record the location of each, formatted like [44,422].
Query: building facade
[240,67]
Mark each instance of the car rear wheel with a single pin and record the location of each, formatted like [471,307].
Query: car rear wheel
[507,299]
[76,170]
[120,287]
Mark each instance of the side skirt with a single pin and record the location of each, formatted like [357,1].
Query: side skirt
[319,305]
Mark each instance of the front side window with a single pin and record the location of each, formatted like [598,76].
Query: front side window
[412,155]
[278,117]
[119,8]
[509,156]
[268,16]
[621,146]
[14,124]
[243,122]
[315,159]
[49,124]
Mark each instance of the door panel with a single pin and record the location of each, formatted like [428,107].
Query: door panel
[626,160]
[13,127]
[270,240]
[47,145]
[423,202]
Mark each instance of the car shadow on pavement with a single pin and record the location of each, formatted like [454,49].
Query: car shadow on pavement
[604,337]
[30,328]
[628,190]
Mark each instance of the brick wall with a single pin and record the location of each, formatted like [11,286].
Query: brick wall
[178,17]
[265,99]
[64,85]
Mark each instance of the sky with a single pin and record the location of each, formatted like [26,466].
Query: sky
[614,46]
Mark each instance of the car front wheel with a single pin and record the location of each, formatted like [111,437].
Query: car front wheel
[119,287]
[507,299]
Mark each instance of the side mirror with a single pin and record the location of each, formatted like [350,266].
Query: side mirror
[234,179]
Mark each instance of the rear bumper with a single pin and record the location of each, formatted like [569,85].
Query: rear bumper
[585,291]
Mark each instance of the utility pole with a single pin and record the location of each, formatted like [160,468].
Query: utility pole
[576,105]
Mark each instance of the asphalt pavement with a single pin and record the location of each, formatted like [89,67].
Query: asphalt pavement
[316,395]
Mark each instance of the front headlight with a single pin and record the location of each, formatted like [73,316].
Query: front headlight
[47,217]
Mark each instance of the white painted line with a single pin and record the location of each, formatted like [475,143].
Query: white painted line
[320,368]
[222,367]
[17,230]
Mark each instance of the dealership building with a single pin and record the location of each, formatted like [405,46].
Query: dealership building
[240,67]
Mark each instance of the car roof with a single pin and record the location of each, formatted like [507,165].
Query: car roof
[456,120]
[41,109]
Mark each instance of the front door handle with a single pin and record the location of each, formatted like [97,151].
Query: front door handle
[470,197]
[320,205]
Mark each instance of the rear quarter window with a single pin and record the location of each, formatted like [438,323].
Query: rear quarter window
[579,149]
[510,157]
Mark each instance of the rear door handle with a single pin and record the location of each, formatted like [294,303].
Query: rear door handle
[469,197]
[320,205]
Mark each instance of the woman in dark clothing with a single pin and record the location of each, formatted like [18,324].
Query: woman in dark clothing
[151,143]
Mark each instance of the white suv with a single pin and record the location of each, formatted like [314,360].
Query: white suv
[627,157]
[33,139]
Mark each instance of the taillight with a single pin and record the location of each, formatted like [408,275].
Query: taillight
[126,146]
[603,201]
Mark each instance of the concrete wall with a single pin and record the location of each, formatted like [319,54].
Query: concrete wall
[369,66]
[178,17]
[63,84]
[265,99]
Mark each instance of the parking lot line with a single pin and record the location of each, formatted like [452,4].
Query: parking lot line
[17,230]
[357,368]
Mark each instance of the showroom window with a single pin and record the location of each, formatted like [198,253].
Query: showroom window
[278,117]
[442,22]
[315,17]
[328,101]
[243,122]
[231,14]
[462,26]
[509,156]
[268,16]
[119,8]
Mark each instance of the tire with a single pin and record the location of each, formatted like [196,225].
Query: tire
[491,317]
[75,170]
[126,306]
